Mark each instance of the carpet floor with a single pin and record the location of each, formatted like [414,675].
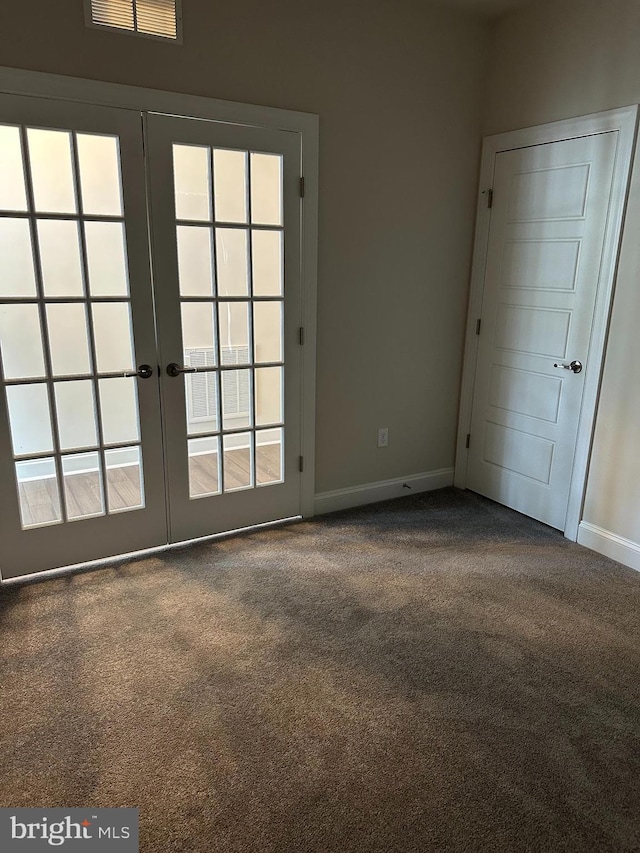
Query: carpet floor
[435,673]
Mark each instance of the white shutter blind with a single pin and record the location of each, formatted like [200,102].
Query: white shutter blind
[151,17]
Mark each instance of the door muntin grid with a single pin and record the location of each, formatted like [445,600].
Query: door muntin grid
[230,238]
[66,334]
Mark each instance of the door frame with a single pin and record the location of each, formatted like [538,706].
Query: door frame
[625,121]
[16,81]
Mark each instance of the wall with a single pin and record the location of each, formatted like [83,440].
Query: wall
[397,85]
[552,61]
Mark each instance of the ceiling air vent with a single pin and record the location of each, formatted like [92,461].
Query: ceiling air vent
[151,18]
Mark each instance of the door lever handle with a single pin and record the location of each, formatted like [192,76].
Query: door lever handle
[175,369]
[575,366]
[145,371]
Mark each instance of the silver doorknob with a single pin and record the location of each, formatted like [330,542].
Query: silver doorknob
[576,366]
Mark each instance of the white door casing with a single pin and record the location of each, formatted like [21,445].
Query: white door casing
[543,275]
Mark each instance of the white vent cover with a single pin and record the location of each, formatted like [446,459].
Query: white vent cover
[155,18]
[201,389]
[235,384]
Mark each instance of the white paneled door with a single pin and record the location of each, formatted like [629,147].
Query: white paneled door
[548,224]
[136,412]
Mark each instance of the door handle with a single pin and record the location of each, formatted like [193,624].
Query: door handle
[145,371]
[175,369]
[575,366]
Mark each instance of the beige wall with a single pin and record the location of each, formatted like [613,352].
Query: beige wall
[552,61]
[394,82]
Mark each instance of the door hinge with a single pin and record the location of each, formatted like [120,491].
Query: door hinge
[301,336]
[468,439]
[301,464]
[478,325]
[489,195]
[301,187]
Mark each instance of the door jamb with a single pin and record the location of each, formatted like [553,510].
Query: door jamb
[14,81]
[624,120]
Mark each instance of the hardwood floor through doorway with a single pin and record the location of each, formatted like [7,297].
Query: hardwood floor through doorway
[41,505]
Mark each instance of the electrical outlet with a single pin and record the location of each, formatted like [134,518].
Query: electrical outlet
[383,436]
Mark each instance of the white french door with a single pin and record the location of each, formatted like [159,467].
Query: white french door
[102,450]
[81,469]
[225,204]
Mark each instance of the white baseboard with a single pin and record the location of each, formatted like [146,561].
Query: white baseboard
[604,542]
[369,493]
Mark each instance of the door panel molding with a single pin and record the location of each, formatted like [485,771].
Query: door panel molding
[624,121]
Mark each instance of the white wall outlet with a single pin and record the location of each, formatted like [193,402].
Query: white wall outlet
[383,436]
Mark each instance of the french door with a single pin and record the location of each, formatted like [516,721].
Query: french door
[230,351]
[138,410]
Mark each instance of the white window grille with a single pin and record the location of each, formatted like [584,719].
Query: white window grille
[151,18]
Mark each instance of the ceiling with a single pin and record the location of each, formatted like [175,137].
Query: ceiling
[485,8]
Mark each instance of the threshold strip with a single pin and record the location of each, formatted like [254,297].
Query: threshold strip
[49,574]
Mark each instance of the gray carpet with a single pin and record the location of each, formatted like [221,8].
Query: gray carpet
[432,673]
